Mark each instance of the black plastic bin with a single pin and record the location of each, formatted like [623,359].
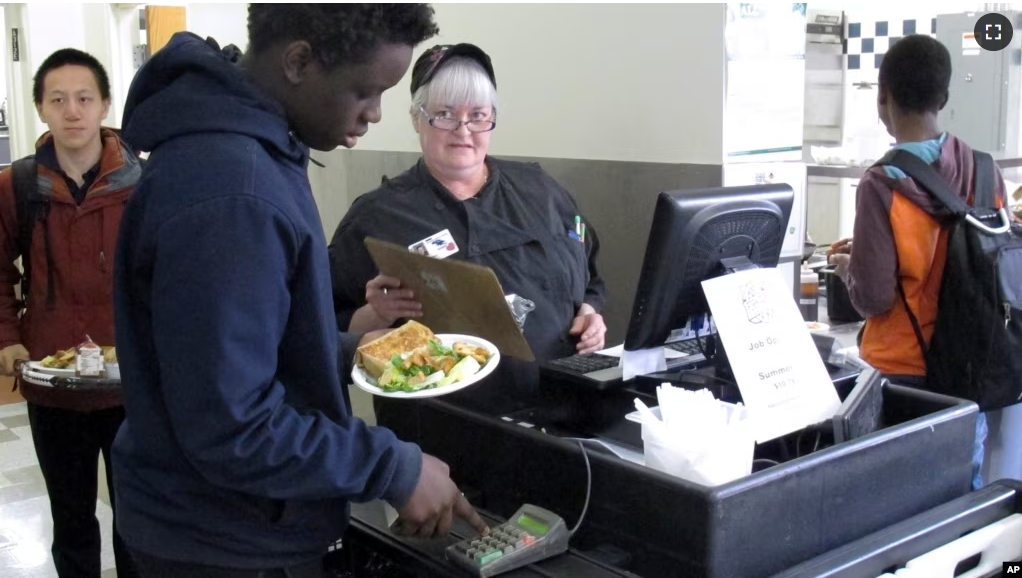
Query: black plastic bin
[755,526]
[889,549]
[839,302]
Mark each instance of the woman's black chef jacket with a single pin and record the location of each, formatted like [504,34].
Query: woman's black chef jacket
[518,226]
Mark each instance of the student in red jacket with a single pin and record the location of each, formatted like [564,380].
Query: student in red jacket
[85,175]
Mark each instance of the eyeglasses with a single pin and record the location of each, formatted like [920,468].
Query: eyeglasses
[452,124]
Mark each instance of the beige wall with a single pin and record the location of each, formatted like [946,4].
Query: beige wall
[640,82]
[226,23]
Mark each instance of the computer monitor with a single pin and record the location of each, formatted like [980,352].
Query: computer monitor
[697,235]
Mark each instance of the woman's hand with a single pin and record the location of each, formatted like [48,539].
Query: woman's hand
[386,302]
[389,301]
[589,327]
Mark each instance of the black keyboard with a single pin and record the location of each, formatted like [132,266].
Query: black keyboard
[603,372]
[689,346]
[582,364]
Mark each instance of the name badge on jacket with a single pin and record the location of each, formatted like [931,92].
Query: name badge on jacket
[438,246]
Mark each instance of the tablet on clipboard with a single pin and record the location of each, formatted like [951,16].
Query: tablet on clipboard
[456,296]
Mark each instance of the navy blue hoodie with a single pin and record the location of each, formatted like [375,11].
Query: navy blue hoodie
[239,448]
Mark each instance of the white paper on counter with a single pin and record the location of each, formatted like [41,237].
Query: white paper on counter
[641,362]
[617,350]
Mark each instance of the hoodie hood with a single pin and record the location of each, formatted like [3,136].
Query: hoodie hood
[192,86]
[953,161]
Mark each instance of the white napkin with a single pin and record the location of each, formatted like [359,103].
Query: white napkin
[699,437]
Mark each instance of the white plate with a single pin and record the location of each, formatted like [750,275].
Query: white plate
[361,378]
[37,367]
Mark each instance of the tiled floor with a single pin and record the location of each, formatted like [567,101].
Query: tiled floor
[25,523]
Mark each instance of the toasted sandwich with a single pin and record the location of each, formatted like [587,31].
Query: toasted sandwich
[375,355]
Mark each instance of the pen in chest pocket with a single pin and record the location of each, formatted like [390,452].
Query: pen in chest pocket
[579,234]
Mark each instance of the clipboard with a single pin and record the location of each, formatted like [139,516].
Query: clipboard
[456,296]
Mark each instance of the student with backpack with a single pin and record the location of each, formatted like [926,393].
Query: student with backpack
[59,212]
[934,252]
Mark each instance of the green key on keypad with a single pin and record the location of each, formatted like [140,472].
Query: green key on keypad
[491,557]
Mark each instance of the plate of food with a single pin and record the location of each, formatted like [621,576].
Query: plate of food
[61,363]
[411,362]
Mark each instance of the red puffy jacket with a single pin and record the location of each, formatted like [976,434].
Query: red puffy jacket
[72,253]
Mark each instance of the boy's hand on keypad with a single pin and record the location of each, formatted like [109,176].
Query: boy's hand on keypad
[430,511]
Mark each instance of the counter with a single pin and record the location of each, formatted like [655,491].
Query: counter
[641,522]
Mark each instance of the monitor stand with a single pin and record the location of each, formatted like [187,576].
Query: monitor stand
[736,264]
[715,374]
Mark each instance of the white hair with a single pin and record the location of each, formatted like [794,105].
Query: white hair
[461,82]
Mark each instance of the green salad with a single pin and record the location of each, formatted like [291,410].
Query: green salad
[433,365]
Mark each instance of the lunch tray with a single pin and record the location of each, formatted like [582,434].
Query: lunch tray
[64,382]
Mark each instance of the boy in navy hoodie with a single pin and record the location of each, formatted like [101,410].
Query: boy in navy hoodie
[239,454]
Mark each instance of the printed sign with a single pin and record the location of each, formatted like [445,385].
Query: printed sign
[774,359]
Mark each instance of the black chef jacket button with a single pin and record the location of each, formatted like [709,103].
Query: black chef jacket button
[475,248]
[439,206]
[546,285]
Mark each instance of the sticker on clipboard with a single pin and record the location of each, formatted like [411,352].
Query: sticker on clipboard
[434,282]
[438,246]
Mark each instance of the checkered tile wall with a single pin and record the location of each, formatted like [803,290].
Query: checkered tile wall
[867,41]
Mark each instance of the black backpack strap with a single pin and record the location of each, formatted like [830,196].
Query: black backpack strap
[928,178]
[915,321]
[985,189]
[23,173]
